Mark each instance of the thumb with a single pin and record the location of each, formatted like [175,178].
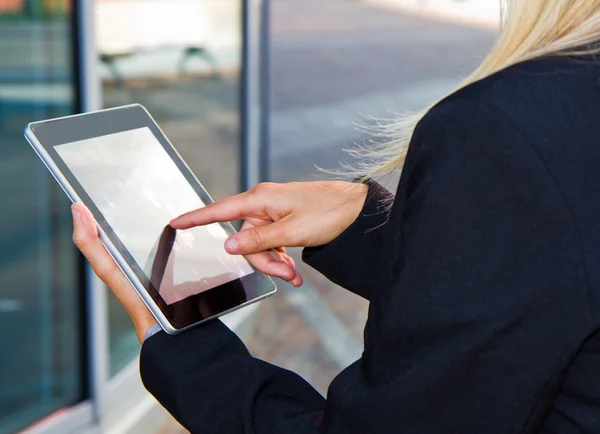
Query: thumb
[85,237]
[260,239]
[85,232]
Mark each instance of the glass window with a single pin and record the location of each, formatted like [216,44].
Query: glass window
[40,296]
[182,61]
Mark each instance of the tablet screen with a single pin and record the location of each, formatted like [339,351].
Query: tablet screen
[139,189]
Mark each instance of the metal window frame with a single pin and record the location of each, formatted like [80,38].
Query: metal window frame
[85,415]
[255,93]
[97,305]
[265,91]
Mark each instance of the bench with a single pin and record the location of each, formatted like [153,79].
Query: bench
[127,27]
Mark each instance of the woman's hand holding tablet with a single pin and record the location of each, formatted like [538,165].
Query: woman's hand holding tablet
[85,237]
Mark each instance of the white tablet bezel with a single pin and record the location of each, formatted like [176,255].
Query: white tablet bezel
[43,136]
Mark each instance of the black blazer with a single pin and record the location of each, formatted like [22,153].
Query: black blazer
[484,284]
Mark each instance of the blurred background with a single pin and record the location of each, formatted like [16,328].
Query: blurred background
[247,90]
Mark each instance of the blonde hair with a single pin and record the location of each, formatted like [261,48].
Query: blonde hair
[530,29]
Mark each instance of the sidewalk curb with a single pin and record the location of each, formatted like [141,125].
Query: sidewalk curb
[476,13]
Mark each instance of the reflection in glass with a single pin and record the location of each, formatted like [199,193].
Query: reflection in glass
[180,59]
[40,304]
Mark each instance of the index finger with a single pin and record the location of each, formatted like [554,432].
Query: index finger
[236,207]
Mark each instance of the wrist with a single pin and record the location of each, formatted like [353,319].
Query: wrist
[359,192]
[142,323]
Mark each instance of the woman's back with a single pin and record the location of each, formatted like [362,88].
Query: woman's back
[555,104]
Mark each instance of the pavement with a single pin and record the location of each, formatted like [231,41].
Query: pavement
[486,13]
[335,63]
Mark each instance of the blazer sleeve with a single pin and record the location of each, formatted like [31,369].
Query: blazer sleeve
[208,381]
[362,239]
[472,335]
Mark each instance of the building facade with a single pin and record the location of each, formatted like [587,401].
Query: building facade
[69,356]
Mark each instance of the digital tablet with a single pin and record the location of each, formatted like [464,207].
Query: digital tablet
[122,167]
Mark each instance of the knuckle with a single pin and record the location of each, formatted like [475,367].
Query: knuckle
[255,239]
[265,187]
[80,241]
[105,270]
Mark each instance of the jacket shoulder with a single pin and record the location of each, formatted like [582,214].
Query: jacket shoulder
[536,94]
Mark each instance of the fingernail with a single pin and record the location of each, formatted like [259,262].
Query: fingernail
[76,214]
[231,245]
